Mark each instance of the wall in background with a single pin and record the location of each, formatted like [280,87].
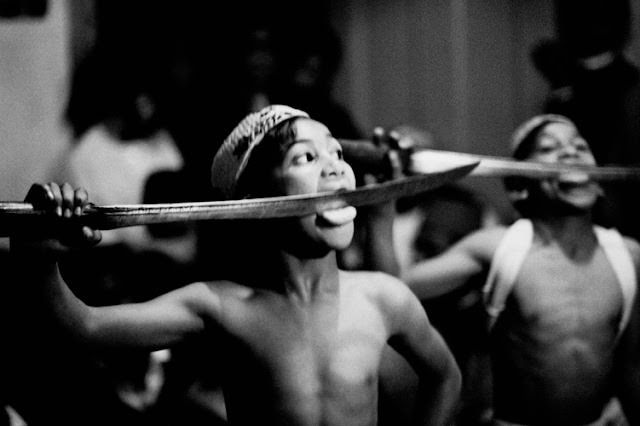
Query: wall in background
[459,68]
[34,70]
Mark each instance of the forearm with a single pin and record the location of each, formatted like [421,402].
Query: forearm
[379,251]
[438,276]
[630,401]
[435,285]
[436,403]
[39,271]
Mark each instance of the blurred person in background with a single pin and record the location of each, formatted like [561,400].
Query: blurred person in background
[600,93]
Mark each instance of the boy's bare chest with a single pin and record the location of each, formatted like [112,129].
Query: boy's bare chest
[299,366]
[309,351]
[554,289]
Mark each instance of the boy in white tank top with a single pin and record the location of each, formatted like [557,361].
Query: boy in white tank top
[560,292]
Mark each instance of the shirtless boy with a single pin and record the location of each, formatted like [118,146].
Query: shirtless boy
[301,339]
[559,293]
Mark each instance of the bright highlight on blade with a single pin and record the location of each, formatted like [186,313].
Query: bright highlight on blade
[429,161]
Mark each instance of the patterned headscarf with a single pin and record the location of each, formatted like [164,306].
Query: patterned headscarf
[234,153]
[525,129]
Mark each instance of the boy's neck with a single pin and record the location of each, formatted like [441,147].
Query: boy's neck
[570,232]
[308,279]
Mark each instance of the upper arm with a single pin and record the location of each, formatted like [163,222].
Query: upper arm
[157,323]
[413,336]
[453,268]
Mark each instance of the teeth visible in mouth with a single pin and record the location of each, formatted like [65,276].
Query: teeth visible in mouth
[575,178]
[337,217]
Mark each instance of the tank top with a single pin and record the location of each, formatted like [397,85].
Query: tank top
[515,245]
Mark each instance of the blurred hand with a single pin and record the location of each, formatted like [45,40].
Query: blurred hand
[413,138]
[394,156]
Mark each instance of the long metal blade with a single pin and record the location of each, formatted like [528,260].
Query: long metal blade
[14,215]
[427,161]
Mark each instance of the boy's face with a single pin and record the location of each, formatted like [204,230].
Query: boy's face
[561,143]
[310,164]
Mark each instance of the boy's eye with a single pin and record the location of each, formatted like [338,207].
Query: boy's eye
[304,158]
[338,154]
[546,147]
[581,146]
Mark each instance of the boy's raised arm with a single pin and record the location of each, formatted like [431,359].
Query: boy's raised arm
[452,269]
[154,324]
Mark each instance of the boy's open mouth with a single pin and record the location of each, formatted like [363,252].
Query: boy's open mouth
[336,217]
[573,180]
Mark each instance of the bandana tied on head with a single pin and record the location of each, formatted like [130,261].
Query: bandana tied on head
[534,123]
[234,153]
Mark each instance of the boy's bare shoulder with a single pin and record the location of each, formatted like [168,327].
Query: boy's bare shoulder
[487,237]
[224,301]
[375,283]
[482,243]
[365,277]
[229,289]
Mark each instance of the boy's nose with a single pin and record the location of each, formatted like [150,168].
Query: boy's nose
[569,151]
[333,167]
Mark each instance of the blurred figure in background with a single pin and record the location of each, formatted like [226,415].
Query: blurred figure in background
[314,56]
[601,93]
[121,140]
[260,62]
[553,60]
[123,152]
